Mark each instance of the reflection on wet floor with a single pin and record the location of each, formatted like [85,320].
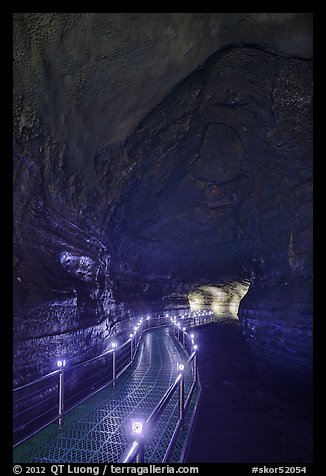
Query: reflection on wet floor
[248,413]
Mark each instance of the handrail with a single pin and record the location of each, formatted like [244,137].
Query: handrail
[156,413]
[158,410]
[44,377]
[136,452]
[94,385]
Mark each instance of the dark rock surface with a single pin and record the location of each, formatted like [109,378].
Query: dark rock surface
[277,320]
[121,207]
[103,72]
[247,414]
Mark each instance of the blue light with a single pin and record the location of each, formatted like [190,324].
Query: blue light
[137,427]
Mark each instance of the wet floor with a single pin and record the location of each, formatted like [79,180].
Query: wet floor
[247,412]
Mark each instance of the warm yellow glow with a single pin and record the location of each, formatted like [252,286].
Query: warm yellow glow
[216,308]
[196,301]
[223,300]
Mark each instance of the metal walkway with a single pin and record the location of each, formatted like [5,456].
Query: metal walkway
[98,430]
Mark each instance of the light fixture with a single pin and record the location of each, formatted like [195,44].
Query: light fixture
[114,345]
[183,328]
[131,335]
[195,347]
[180,367]
[137,427]
[61,363]
[192,336]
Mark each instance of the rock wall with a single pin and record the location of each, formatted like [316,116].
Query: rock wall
[277,320]
[222,191]
[213,186]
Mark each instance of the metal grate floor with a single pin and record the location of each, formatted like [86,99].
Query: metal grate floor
[97,430]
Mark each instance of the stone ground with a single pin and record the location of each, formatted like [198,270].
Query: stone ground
[248,413]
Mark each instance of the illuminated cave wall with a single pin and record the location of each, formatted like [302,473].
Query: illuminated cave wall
[222,300]
[155,154]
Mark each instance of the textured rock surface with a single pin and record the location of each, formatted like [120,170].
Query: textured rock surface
[277,319]
[223,300]
[213,186]
[248,414]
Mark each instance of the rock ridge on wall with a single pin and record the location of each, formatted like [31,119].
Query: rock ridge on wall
[213,186]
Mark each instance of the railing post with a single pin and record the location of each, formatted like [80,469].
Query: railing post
[141,453]
[181,397]
[131,347]
[195,368]
[184,337]
[61,395]
[114,370]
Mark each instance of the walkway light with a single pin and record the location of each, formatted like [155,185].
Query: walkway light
[192,336]
[195,347]
[137,427]
[183,328]
[180,367]
[131,335]
[114,345]
[61,363]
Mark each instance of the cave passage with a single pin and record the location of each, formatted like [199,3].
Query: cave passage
[163,163]
[99,430]
[245,414]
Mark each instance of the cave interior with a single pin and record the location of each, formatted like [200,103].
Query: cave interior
[163,161]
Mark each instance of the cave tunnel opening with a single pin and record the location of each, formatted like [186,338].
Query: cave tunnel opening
[163,164]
